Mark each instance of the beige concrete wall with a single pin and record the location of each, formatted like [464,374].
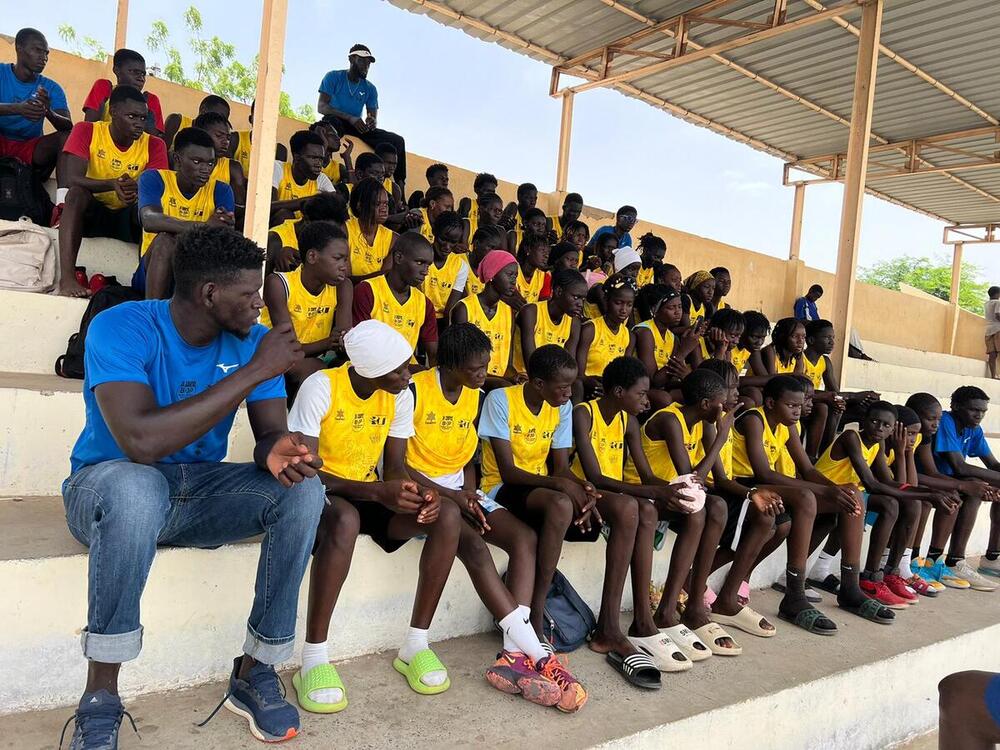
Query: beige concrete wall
[759,281]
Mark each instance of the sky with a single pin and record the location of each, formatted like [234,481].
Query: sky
[475,104]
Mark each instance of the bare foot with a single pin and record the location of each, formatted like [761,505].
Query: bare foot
[698,616]
[602,644]
[70,287]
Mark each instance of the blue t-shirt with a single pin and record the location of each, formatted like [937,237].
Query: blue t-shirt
[137,342]
[349,97]
[151,191]
[624,241]
[970,442]
[14,90]
[495,420]
[805,309]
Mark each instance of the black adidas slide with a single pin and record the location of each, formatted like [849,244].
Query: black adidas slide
[638,669]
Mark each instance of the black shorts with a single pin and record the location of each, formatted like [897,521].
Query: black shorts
[736,515]
[514,498]
[375,519]
[121,224]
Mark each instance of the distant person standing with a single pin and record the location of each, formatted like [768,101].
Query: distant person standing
[345,94]
[805,307]
[992,328]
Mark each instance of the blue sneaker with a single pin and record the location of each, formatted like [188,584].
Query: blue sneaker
[98,718]
[947,576]
[260,699]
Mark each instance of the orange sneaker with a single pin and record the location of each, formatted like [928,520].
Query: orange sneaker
[515,673]
[573,694]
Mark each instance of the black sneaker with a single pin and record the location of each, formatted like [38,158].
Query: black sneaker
[260,699]
[98,719]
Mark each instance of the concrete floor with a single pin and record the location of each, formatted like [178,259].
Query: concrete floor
[385,713]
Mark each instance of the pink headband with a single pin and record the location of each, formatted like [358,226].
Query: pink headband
[493,263]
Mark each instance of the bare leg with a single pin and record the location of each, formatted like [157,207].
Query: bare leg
[621,513]
[757,529]
[159,260]
[917,538]
[991,361]
[994,543]
[556,512]
[815,429]
[888,512]
[335,538]
[964,524]
[520,543]
[642,571]
[476,558]
[78,200]
[101,676]
[909,514]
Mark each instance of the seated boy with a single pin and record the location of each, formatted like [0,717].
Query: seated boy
[484,184]
[369,396]
[283,240]
[226,170]
[101,166]
[554,321]
[438,200]
[437,176]
[129,68]
[176,122]
[487,214]
[529,224]
[316,298]
[603,430]
[522,428]
[572,207]
[447,401]
[723,284]
[338,163]
[172,201]
[394,297]
[300,178]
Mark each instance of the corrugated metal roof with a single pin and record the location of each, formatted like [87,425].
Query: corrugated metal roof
[790,95]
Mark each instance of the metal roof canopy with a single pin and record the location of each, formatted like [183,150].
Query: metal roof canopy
[777,75]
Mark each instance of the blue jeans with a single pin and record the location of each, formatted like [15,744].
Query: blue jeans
[123,510]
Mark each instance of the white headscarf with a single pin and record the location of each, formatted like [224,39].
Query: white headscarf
[625,257]
[376,349]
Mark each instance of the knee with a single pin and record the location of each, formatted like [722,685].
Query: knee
[716,511]
[524,546]
[890,509]
[162,248]
[803,504]
[559,511]
[449,521]
[77,198]
[820,411]
[950,691]
[781,531]
[120,496]
[340,524]
[473,550]
[301,504]
[624,513]
[647,514]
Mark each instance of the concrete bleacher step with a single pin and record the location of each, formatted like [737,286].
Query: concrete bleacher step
[792,692]
[936,361]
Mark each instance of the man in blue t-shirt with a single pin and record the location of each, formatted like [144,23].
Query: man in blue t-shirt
[625,219]
[805,307]
[27,100]
[345,94]
[958,438]
[164,379]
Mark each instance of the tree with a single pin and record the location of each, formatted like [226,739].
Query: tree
[929,275]
[216,68]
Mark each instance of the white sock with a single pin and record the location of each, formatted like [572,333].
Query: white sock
[821,568]
[415,642]
[518,631]
[904,570]
[61,195]
[313,655]
[525,611]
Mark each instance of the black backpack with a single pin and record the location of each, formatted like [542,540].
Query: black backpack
[21,195]
[70,364]
[568,621]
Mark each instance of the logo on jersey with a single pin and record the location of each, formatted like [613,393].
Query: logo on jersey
[226,368]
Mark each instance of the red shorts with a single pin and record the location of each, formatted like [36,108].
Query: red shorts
[20,150]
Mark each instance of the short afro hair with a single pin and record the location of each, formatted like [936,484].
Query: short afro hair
[548,361]
[701,384]
[966,393]
[623,372]
[193,137]
[212,254]
[460,342]
[125,94]
[302,138]
[781,384]
[317,235]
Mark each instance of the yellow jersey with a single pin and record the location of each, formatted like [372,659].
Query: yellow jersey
[606,346]
[473,219]
[199,207]
[546,332]
[242,152]
[367,259]
[473,285]
[287,234]
[353,432]
[645,277]
[591,311]
[311,314]
[815,371]
[663,343]
[608,439]
[785,464]
[530,437]
[335,171]
[739,357]
[186,122]
[841,471]
[222,169]
[289,189]
[439,282]
[556,226]
[696,312]
[498,329]
[407,318]
[784,368]
[108,162]
[774,443]
[426,229]
[657,453]
[890,454]
[530,290]
[444,439]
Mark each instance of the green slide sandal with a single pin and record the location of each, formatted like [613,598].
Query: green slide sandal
[320,677]
[422,662]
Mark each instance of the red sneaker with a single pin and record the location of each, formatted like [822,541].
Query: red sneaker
[515,673]
[573,695]
[897,585]
[97,282]
[80,272]
[878,591]
[56,216]
[921,586]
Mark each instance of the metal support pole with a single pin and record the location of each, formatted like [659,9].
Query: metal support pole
[796,235]
[264,136]
[121,25]
[565,135]
[956,282]
[854,179]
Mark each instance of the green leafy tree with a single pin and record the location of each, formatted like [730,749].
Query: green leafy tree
[931,275]
[82,47]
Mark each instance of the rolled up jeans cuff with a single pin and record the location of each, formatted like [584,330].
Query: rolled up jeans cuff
[268,650]
[111,648]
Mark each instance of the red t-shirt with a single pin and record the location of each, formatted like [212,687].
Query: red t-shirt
[79,139]
[364,301]
[97,100]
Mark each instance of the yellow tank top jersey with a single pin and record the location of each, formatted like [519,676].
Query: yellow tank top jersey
[199,207]
[289,189]
[222,170]
[353,432]
[739,357]
[530,290]
[186,122]
[439,282]
[242,153]
[335,171]
[473,285]
[815,371]
[783,368]
[445,438]
[546,332]
[663,343]
[606,345]
[367,259]
[407,318]
[530,438]
[841,471]
[645,277]
[286,233]
[591,311]
[108,162]
[890,454]
[785,463]
[657,453]
[497,328]
[425,228]
[387,184]
[608,439]
[556,226]
[312,315]
[774,443]
[696,312]
[473,219]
